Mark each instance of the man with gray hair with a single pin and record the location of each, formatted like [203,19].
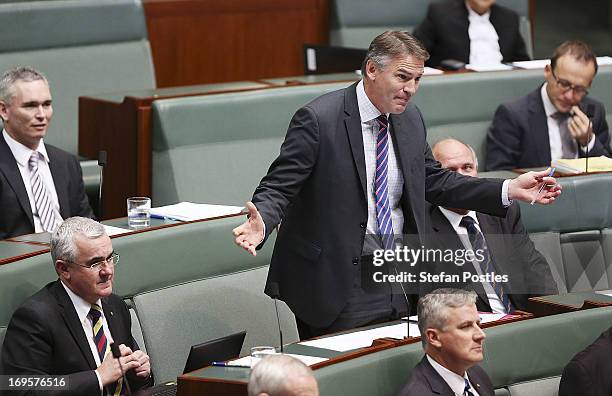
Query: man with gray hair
[453,344]
[67,327]
[353,174]
[40,185]
[282,375]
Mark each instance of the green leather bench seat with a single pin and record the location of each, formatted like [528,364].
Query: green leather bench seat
[524,357]
[216,148]
[83,47]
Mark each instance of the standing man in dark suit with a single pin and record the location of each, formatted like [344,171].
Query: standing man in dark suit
[66,328]
[453,344]
[344,186]
[40,185]
[472,31]
[510,250]
[557,120]
[588,373]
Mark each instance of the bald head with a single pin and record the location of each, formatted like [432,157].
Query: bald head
[282,375]
[456,156]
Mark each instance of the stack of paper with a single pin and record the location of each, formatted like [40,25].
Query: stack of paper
[188,211]
[307,360]
[488,67]
[540,63]
[579,165]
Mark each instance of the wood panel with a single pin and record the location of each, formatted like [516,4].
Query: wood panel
[208,41]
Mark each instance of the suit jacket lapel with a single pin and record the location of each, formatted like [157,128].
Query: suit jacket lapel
[352,123]
[538,126]
[72,322]
[436,382]
[60,181]
[9,167]
[111,320]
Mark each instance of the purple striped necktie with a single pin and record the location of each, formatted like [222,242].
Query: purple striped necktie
[50,219]
[381,188]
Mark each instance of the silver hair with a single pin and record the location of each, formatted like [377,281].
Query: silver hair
[63,246]
[273,375]
[444,139]
[20,73]
[432,308]
[391,44]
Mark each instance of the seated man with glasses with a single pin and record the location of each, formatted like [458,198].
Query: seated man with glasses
[557,120]
[66,328]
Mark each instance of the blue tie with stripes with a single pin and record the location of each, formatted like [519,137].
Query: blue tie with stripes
[383,211]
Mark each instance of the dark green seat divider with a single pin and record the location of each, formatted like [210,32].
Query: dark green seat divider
[531,350]
[83,47]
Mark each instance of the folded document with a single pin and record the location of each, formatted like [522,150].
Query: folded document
[189,211]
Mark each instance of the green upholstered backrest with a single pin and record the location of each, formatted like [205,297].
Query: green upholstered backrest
[216,148]
[531,350]
[175,318]
[84,47]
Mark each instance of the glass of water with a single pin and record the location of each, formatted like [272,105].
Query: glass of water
[139,212]
[260,352]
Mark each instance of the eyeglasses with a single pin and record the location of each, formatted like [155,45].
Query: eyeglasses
[111,260]
[566,86]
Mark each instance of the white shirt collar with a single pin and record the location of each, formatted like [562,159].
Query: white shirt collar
[367,110]
[81,306]
[454,381]
[473,15]
[549,107]
[22,153]
[455,218]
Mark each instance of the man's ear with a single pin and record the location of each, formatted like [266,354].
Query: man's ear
[3,110]
[61,267]
[433,338]
[547,71]
[371,69]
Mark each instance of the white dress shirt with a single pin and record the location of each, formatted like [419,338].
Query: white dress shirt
[454,381]
[369,128]
[82,308]
[554,133]
[484,41]
[22,156]
[455,219]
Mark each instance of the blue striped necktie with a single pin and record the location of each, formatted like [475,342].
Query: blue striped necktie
[467,391]
[381,188]
[479,242]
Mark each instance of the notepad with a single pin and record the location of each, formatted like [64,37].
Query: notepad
[578,165]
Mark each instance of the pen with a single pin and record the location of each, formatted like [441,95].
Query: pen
[552,172]
[225,364]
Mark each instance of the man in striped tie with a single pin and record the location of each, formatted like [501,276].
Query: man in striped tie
[67,327]
[40,184]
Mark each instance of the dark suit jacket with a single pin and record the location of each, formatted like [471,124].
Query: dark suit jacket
[16,214]
[45,336]
[425,381]
[512,251]
[518,136]
[588,373]
[444,32]
[317,187]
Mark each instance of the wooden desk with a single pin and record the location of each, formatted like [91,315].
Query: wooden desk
[230,381]
[552,305]
[120,123]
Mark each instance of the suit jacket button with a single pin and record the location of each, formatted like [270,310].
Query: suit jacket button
[355,260]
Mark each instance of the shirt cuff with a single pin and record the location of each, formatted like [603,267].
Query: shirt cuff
[589,146]
[99,381]
[504,194]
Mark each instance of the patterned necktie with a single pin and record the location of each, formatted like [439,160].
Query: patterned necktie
[95,315]
[467,391]
[479,242]
[49,216]
[568,143]
[383,211]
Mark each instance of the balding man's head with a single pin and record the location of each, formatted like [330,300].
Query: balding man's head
[456,156]
[282,375]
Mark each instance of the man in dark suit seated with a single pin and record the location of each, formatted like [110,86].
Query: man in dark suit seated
[453,344]
[588,373]
[40,185]
[472,31]
[354,171]
[557,120]
[66,328]
[509,251]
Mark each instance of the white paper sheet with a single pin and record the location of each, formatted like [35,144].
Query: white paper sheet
[430,71]
[307,360]
[187,211]
[605,292]
[490,67]
[362,339]
[110,230]
[532,64]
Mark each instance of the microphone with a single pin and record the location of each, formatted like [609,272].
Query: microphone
[274,293]
[101,164]
[405,299]
[116,354]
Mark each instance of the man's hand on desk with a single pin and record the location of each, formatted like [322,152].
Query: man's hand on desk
[251,233]
[527,186]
